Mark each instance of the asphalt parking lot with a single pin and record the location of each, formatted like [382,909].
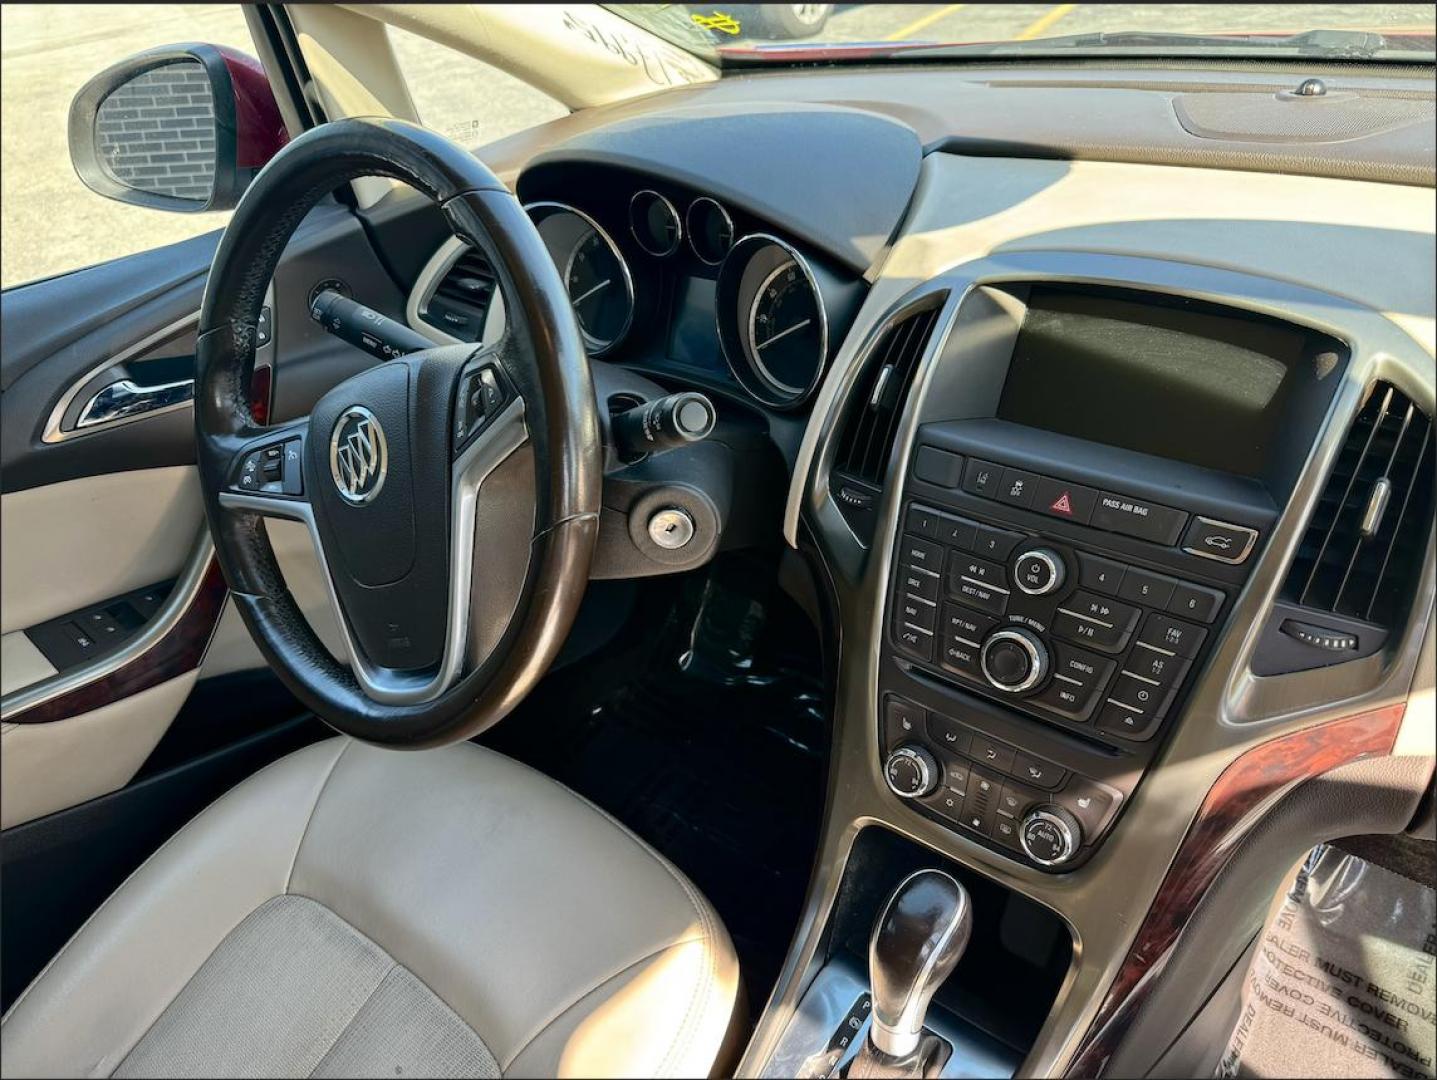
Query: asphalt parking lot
[51,223]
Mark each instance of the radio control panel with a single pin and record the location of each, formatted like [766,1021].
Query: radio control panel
[1067,634]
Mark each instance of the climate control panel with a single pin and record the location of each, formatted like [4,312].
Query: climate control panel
[1027,805]
[1060,631]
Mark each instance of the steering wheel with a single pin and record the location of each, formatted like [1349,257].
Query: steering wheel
[452,494]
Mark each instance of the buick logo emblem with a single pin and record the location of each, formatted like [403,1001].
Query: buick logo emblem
[358,458]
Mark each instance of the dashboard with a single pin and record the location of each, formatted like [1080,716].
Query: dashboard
[1069,441]
[666,278]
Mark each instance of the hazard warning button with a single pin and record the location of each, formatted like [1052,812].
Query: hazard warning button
[1059,499]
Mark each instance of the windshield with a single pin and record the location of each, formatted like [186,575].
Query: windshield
[739,35]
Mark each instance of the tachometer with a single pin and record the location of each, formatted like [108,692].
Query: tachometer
[598,281]
[785,329]
[772,323]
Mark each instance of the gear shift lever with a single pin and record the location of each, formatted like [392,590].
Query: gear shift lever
[917,942]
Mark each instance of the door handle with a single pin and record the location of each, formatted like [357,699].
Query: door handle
[126,399]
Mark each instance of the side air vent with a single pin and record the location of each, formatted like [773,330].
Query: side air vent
[1363,550]
[461,300]
[865,441]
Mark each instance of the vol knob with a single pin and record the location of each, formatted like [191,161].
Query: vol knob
[1050,835]
[1014,660]
[911,772]
[1039,571]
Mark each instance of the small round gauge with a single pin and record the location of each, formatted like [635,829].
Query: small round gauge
[655,223]
[772,323]
[600,287]
[710,230]
[785,329]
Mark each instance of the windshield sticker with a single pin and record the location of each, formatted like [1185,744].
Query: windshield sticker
[667,67]
[718,21]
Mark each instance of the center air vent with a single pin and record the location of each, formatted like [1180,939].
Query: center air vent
[865,441]
[1363,549]
[460,302]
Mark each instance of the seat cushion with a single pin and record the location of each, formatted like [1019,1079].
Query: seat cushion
[354,911]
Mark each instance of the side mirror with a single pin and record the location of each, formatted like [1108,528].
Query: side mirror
[181,127]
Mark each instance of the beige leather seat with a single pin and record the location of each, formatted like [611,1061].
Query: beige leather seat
[351,911]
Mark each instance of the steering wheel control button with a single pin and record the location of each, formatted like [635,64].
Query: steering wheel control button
[275,469]
[481,397]
[1014,660]
[1172,636]
[1219,540]
[1101,575]
[1050,835]
[1039,571]
[671,529]
[911,772]
[1071,502]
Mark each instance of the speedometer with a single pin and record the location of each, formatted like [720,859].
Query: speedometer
[772,322]
[785,329]
[600,287]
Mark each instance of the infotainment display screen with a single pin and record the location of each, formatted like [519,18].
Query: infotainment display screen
[1192,384]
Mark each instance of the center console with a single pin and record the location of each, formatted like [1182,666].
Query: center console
[1066,559]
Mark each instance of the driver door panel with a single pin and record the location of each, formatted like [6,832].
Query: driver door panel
[104,539]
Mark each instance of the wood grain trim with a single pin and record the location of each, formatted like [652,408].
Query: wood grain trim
[1225,818]
[179,651]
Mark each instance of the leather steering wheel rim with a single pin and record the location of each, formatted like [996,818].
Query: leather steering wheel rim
[541,354]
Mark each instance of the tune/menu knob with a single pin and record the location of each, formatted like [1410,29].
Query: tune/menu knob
[911,772]
[1039,571]
[1050,835]
[1014,659]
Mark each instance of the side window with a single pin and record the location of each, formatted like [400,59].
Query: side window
[50,223]
[467,100]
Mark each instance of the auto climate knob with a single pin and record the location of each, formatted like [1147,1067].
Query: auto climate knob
[1014,659]
[1050,835]
[1039,571]
[911,772]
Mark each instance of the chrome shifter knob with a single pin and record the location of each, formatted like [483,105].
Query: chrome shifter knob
[917,942]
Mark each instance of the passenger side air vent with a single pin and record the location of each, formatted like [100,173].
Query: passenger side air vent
[1362,552]
[460,302]
[865,441]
